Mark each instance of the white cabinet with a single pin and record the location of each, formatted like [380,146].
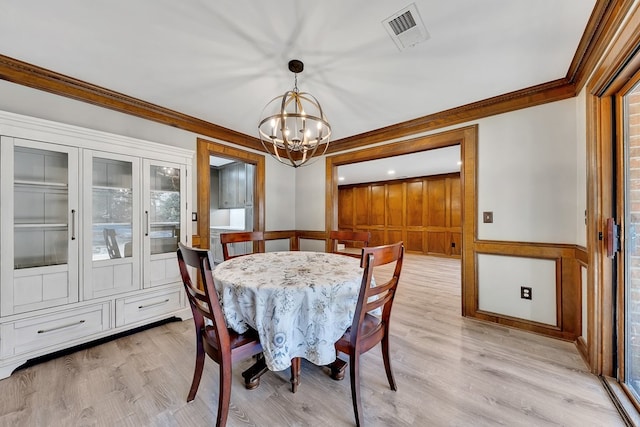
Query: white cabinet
[39,211]
[165,220]
[90,226]
[236,182]
[215,246]
[111,216]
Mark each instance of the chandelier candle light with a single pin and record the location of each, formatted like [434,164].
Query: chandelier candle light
[293,127]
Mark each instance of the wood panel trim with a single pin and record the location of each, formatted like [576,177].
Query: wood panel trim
[206,148]
[525,249]
[620,40]
[467,138]
[556,90]
[40,78]
[568,286]
[618,62]
[605,19]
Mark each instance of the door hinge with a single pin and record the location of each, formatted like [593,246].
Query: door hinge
[613,238]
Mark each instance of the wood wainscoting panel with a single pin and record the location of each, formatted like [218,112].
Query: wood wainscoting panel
[436,242]
[395,204]
[377,237]
[394,235]
[456,243]
[376,206]
[455,203]
[437,203]
[361,200]
[414,242]
[425,213]
[415,203]
[567,289]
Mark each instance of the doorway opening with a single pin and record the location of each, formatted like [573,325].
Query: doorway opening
[466,138]
[254,163]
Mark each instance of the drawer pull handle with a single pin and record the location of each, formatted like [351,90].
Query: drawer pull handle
[142,307]
[57,328]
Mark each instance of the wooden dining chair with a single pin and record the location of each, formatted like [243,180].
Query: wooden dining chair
[355,238]
[222,344]
[227,239]
[368,330]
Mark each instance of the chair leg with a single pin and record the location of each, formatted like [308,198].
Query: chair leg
[295,374]
[197,372]
[387,361]
[354,370]
[224,394]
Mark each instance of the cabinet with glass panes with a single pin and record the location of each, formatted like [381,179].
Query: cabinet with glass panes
[39,194]
[164,187]
[90,224]
[111,201]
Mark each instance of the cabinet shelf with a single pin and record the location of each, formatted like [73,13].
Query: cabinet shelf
[43,184]
[40,225]
[165,191]
[108,188]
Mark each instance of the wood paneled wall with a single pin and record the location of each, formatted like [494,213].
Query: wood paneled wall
[424,212]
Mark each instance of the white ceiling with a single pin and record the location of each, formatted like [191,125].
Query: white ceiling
[222,61]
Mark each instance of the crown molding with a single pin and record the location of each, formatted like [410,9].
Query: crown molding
[541,94]
[40,78]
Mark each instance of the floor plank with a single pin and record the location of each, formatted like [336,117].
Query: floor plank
[450,371]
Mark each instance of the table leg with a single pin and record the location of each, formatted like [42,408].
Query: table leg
[295,374]
[252,375]
[338,368]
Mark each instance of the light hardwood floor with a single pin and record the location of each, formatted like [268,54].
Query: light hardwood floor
[450,371]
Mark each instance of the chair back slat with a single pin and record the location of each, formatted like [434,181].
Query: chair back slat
[227,239]
[382,294]
[203,303]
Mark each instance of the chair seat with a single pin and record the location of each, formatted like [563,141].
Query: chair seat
[236,340]
[370,325]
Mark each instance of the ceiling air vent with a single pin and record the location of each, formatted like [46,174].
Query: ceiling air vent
[406,28]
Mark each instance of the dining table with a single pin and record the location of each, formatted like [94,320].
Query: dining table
[299,302]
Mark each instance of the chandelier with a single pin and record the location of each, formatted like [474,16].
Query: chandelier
[293,128]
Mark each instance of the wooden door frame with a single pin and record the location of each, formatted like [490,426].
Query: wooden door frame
[467,138]
[207,148]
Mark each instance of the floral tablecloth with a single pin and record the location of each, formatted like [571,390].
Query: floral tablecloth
[299,302]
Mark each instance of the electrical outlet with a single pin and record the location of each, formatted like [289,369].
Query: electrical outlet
[525,292]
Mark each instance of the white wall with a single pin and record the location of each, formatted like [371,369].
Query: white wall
[527,174]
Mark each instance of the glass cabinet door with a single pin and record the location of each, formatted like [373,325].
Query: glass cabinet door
[112,209]
[111,238]
[164,220]
[40,220]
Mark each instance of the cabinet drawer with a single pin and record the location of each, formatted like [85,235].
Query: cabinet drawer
[54,330]
[147,306]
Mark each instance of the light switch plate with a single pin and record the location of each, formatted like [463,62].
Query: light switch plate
[487,217]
